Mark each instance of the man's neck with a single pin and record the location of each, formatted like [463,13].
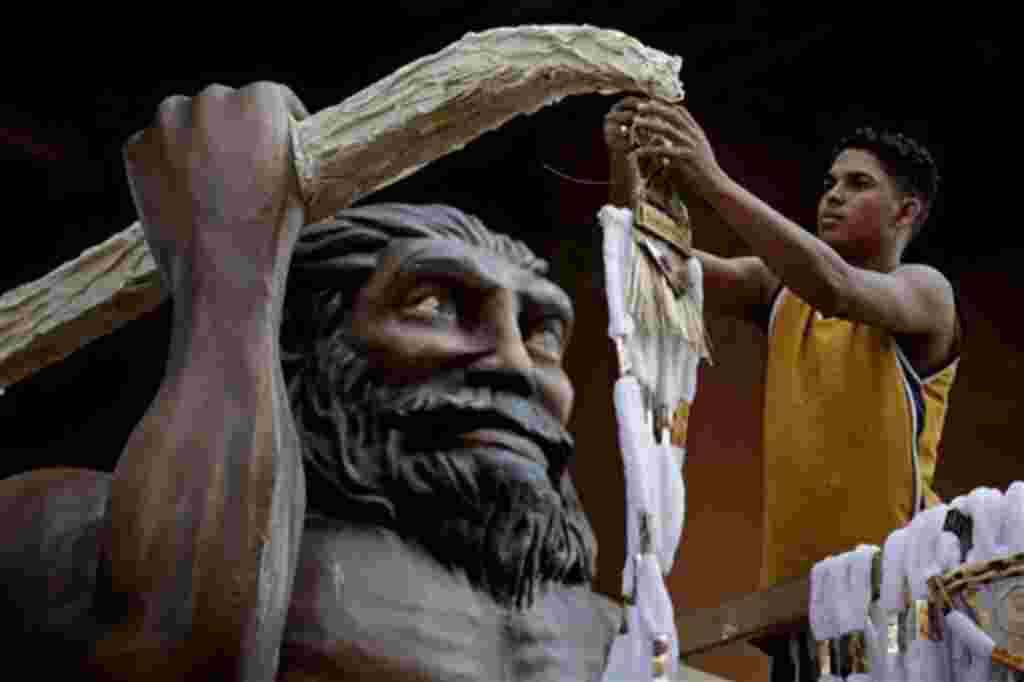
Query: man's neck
[367,587]
[884,261]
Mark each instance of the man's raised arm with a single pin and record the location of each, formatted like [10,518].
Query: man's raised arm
[903,299]
[740,287]
[208,497]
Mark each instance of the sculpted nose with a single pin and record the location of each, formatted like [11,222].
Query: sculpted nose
[508,353]
[506,369]
[506,350]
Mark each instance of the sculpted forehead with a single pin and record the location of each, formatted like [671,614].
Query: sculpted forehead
[403,259]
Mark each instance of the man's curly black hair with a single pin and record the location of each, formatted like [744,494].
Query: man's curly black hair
[906,160]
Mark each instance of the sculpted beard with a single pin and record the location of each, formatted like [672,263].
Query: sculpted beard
[387,455]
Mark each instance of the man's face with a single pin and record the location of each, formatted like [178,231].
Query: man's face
[859,204]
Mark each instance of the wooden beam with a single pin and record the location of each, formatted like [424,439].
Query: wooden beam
[423,111]
[777,610]
[46,320]
[439,103]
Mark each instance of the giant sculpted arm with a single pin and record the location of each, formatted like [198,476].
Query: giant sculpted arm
[207,499]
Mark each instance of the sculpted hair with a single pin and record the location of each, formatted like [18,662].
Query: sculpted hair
[905,159]
[335,257]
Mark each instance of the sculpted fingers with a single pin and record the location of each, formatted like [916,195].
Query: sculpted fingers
[131,147]
[215,91]
[292,102]
[210,105]
[264,95]
[218,162]
[146,153]
[174,112]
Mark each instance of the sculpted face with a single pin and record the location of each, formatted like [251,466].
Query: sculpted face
[443,403]
[434,305]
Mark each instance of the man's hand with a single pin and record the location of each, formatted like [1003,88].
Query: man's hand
[214,184]
[617,139]
[208,498]
[668,134]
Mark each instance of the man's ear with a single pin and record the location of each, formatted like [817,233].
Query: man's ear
[910,211]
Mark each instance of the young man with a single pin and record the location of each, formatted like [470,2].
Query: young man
[862,347]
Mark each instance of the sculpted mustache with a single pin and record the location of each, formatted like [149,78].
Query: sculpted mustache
[427,405]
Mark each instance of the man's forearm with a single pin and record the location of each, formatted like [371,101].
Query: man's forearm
[803,262]
[619,190]
[208,500]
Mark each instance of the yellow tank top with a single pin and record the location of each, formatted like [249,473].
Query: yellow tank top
[851,435]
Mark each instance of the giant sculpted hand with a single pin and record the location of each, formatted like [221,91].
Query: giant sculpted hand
[208,497]
[214,185]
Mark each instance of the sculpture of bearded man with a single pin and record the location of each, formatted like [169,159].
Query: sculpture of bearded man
[356,466]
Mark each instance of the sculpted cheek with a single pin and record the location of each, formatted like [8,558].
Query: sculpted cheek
[561,396]
[388,347]
[403,351]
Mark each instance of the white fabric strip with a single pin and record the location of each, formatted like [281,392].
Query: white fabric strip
[857,597]
[985,507]
[1012,535]
[655,491]
[840,588]
[822,624]
[894,576]
[927,661]
[976,640]
[926,553]
[617,243]
[670,501]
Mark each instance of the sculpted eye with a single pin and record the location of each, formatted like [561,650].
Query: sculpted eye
[547,338]
[430,304]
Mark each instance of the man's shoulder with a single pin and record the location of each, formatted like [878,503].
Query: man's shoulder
[45,503]
[941,344]
[50,543]
[924,275]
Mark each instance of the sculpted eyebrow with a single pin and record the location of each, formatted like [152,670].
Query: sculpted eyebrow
[543,296]
[443,266]
[549,300]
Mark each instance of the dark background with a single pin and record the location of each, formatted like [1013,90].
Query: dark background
[772,87]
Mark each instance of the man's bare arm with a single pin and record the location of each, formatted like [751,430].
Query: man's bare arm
[911,300]
[207,499]
[740,287]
